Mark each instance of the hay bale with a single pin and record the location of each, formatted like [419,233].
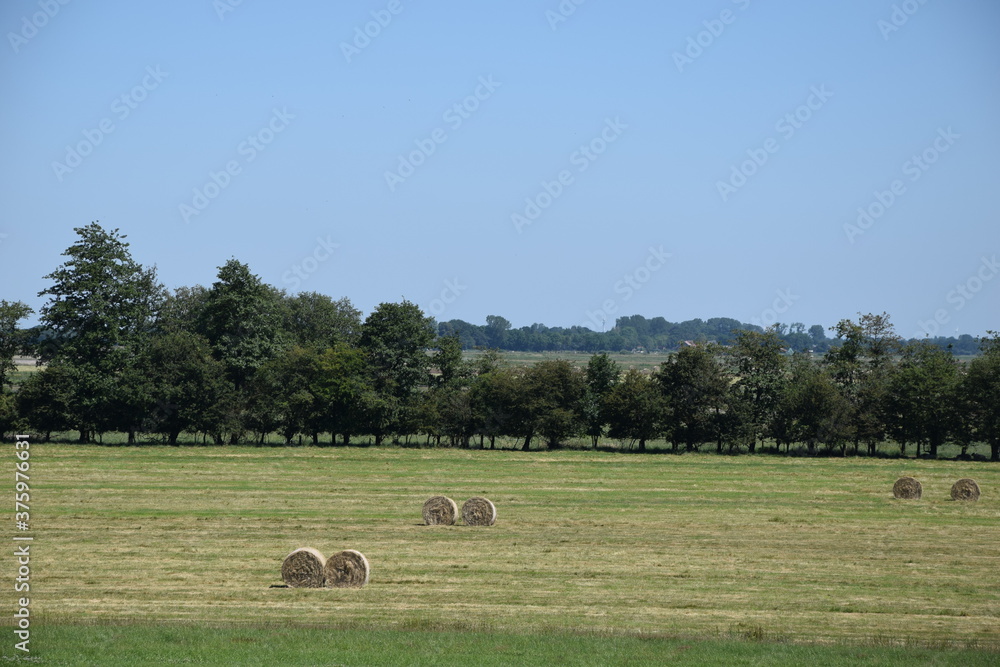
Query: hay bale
[479,512]
[907,488]
[440,511]
[965,489]
[303,568]
[347,569]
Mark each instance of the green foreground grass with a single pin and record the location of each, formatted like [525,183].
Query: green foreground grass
[158,553]
[254,645]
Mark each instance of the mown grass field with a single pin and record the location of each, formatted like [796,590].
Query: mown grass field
[176,549]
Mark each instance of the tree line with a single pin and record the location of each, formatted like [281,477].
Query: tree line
[638,333]
[241,360]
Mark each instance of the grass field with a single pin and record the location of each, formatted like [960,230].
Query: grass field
[175,550]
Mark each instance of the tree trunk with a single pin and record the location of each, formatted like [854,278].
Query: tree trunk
[995,450]
[642,445]
[131,437]
[172,437]
[527,443]
[493,440]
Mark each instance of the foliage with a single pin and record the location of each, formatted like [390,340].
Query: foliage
[101,302]
[12,339]
[240,319]
[636,409]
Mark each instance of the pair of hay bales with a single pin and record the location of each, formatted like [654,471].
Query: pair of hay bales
[907,488]
[309,568]
[442,511]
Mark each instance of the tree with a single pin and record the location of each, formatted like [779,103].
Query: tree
[601,375]
[240,319]
[187,385]
[101,302]
[46,401]
[694,384]
[980,394]
[343,379]
[759,367]
[862,366]
[922,396]
[311,319]
[102,305]
[448,360]
[12,339]
[284,396]
[182,309]
[554,389]
[496,331]
[495,401]
[812,409]
[636,409]
[395,337]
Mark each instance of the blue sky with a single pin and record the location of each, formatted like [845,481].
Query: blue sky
[549,162]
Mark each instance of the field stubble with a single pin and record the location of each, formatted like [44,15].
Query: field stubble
[698,545]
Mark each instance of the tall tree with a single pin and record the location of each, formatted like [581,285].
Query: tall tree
[396,337]
[241,320]
[101,301]
[496,331]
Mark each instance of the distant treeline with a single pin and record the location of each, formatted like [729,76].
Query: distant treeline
[241,360]
[636,332]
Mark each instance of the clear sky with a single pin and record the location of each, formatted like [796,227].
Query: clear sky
[563,163]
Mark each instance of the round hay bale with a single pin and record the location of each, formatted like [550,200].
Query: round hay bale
[965,489]
[907,488]
[303,568]
[440,511]
[347,569]
[479,512]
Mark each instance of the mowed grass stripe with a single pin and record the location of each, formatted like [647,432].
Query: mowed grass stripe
[808,549]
